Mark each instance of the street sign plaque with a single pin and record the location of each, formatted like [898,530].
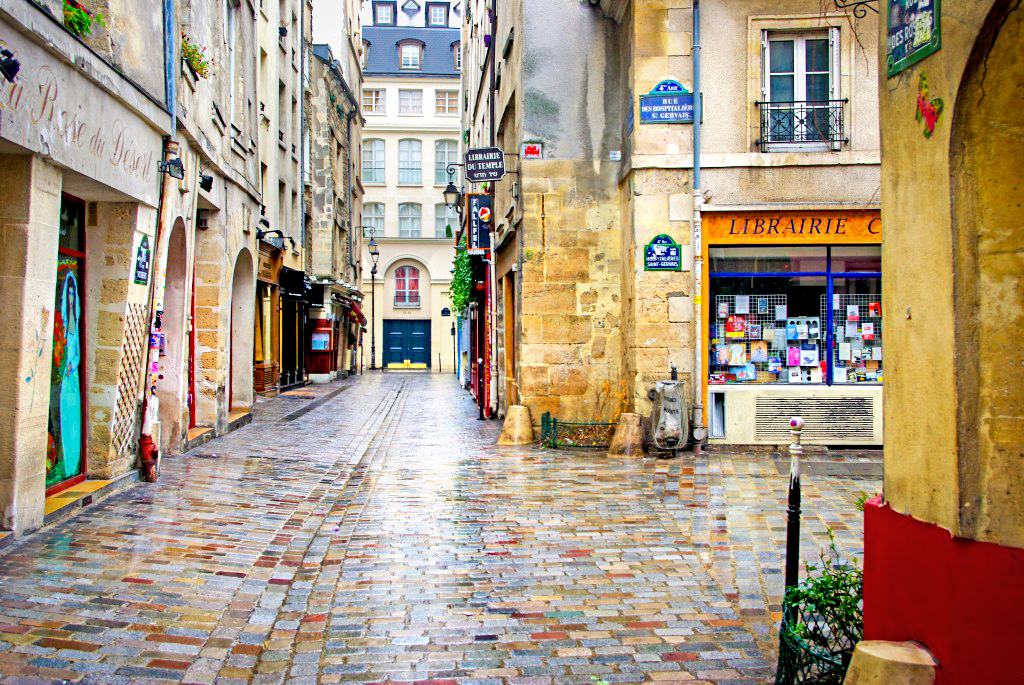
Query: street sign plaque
[485,164]
[669,103]
[662,254]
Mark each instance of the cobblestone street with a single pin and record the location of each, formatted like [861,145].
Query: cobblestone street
[373,532]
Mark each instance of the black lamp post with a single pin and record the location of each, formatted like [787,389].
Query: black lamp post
[374,256]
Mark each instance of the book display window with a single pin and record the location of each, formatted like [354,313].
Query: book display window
[795,315]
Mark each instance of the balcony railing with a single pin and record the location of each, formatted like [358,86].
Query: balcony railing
[407,300]
[812,122]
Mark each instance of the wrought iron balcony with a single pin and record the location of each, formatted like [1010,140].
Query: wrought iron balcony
[811,122]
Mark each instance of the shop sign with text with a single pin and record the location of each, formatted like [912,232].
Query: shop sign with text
[791,228]
[485,164]
[481,214]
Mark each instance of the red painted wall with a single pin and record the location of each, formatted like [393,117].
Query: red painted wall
[960,598]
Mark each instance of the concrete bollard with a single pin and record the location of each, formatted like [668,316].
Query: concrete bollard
[518,428]
[878,662]
[629,436]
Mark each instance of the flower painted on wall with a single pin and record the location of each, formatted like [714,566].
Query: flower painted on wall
[928,110]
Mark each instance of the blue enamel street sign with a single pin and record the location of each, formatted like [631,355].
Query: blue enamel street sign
[662,254]
[669,103]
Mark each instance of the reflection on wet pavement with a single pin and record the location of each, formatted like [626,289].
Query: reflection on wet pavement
[381,536]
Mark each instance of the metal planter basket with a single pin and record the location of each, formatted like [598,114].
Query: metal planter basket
[584,434]
[816,640]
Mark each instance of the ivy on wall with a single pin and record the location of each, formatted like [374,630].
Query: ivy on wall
[462,282]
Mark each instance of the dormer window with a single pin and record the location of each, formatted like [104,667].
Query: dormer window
[411,54]
[437,14]
[384,14]
[365,56]
[457,51]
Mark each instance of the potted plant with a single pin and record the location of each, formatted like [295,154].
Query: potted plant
[79,20]
[194,56]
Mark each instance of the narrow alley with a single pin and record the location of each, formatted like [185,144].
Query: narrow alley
[377,535]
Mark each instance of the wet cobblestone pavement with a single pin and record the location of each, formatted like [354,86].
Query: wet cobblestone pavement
[380,536]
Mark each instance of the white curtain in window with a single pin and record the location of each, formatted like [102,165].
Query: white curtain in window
[409,220]
[373,217]
[445,216]
[445,153]
[410,161]
[373,161]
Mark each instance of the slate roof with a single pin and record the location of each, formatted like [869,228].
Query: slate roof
[383,59]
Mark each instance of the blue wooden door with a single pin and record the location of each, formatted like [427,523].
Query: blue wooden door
[407,340]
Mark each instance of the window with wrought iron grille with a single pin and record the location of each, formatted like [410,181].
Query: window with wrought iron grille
[410,162]
[410,102]
[373,161]
[800,108]
[407,286]
[445,152]
[373,217]
[409,220]
[445,217]
[374,101]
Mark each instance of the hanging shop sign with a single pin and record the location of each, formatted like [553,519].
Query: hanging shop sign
[480,212]
[914,33]
[142,262]
[792,228]
[485,164]
[669,103]
[662,254]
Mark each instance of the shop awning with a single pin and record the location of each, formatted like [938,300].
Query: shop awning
[360,317]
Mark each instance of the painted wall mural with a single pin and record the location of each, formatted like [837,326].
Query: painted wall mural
[64,443]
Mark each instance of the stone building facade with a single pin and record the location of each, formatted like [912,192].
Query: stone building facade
[584,329]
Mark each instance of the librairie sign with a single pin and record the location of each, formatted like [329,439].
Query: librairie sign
[662,254]
[485,164]
[669,103]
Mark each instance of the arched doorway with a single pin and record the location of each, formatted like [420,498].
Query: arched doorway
[987,169]
[171,386]
[243,287]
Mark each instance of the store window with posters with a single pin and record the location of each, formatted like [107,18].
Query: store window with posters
[799,315]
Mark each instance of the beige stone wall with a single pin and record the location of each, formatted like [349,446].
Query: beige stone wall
[951,305]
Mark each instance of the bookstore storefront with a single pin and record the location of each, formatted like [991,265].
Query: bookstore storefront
[794,326]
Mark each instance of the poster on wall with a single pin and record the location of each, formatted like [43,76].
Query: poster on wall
[913,33]
[64,423]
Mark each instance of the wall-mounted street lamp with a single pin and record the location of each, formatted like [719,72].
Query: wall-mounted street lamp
[206,182]
[374,256]
[174,168]
[452,196]
[9,66]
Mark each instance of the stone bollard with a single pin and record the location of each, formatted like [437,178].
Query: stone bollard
[518,428]
[878,662]
[629,436]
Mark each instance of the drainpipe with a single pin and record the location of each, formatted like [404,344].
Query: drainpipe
[492,282]
[699,430]
[148,449]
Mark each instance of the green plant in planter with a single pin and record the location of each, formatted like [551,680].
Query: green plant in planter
[79,20]
[195,56]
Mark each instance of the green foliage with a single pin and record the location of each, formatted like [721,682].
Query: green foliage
[79,20]
[462,282]
[861,500]
[195,55]
[830,601]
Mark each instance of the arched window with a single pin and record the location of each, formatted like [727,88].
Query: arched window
[445,216]
[409,220]
[373,161]
[410,162]
[373,217]
[445,152]
[407,286]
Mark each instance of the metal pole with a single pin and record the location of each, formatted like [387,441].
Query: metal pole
[480,385]
[373,318]
[699,429]
[796,424]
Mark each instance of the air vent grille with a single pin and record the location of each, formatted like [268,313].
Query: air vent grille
[826,420]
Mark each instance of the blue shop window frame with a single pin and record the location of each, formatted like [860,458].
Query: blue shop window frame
[830,277]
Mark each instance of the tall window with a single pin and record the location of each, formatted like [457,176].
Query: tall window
[412,55]
[230,27]
[410,102]
[373,101]
[445,216]
[445,153]
[373,161]
[410,161]
[409,220]
[365,56]
[800,102]
[373,217]
[457,48]
[437,14]
[407,286]
[447,101]
[384,13]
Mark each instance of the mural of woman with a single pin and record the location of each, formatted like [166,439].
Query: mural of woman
[70,382]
